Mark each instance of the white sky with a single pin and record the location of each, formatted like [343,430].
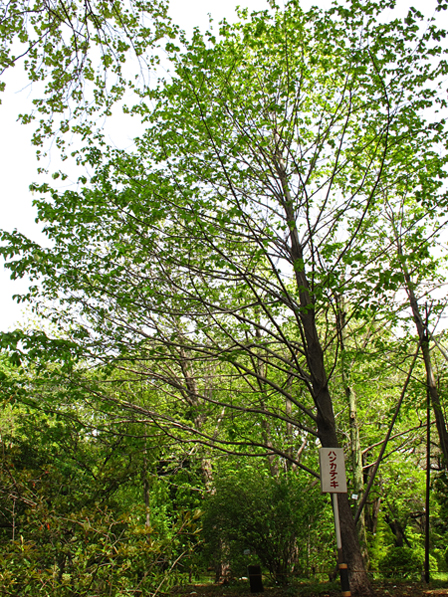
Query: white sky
[17,155]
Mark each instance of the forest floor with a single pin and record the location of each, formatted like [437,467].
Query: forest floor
[308,589]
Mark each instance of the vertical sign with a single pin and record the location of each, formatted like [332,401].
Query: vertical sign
[332,470]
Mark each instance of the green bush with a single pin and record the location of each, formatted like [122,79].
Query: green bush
[269,516]
[93,554]
[405,562]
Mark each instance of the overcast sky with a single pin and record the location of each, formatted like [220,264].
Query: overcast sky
[17,156]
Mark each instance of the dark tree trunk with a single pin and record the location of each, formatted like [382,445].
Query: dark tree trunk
[430,379]
[398,531]
[372,515]
[146,486]
[359,581]
[355,441]
[326,424]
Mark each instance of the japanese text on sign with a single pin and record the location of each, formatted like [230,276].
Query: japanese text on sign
[332,470]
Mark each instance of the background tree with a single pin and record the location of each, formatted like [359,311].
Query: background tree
[74,511]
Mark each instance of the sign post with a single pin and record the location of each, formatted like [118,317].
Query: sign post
[333,480]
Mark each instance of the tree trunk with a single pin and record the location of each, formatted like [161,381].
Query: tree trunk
[397,530]
[191,395]
[355,442]
[372,514]
[326,424]
[146,486]
[359,582]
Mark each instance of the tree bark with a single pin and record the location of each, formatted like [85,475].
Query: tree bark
[359,582]
[146,486]
[191,396]
[355,442]
[326,424]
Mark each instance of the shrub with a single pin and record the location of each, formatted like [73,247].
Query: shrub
[405,562]
[254,511]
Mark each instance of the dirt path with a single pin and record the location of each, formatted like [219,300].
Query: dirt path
[382,589]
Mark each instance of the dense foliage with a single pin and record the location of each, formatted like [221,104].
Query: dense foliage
[274,519]
[85,512]
[256,278]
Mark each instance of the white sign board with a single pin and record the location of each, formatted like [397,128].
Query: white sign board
[332,470]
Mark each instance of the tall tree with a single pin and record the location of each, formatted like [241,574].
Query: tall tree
[224,240]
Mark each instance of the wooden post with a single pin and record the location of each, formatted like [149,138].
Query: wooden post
[255,579]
